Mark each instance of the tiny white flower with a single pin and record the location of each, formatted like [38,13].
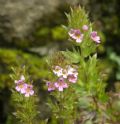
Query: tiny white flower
[64,73]
[57,71]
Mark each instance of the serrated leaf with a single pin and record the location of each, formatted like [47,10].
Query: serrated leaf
[74,57]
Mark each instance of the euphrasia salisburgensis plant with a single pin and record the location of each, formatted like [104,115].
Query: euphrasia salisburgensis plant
[74,80]
[75,85]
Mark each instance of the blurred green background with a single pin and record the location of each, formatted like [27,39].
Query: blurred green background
[31,30]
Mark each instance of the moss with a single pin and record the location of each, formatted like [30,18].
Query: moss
[15,58]
[58,33]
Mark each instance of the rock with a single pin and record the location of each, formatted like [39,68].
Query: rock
[18,17]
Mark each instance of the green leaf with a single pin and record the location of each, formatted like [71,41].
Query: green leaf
[73,57]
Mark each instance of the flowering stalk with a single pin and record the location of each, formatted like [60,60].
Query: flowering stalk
[64,76]
[76,79]
[23,97]
[90,82]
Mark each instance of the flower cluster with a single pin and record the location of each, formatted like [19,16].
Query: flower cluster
[65,76]
[78,35]
[24,88]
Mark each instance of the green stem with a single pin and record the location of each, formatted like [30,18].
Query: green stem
[61,108]
[95,102]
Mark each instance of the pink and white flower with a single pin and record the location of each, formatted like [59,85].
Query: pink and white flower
[72,78]
[95,37]
[72,74]
[71,32]
[61,84]
[50,86]
[76,35]
[85,27]
[72,70]
[24,88]
[29,90]
[21,87]
[64,73]
[57,71]
[67,74]
[21,80]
